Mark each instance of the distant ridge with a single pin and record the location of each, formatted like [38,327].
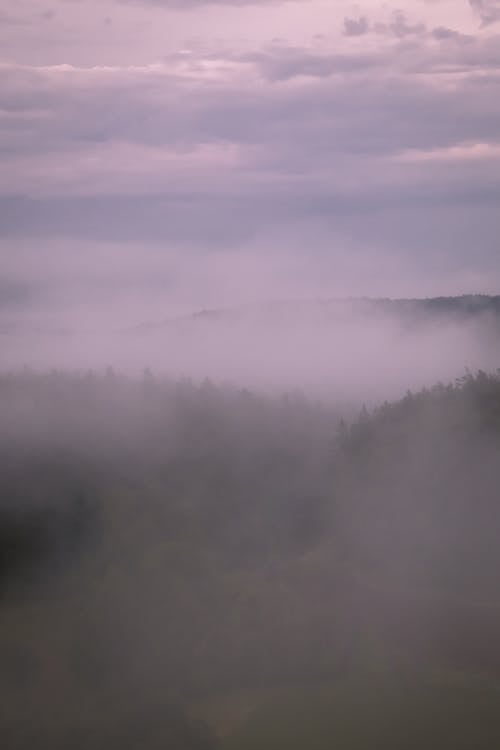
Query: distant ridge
[458,307]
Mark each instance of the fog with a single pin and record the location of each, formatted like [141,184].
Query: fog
[198,566]
[249,375]
[249,525]
[344,351]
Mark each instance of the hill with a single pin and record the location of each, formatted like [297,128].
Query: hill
[216,568]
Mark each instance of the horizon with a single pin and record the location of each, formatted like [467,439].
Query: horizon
[160,157]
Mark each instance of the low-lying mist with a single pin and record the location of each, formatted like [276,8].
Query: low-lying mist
[350,351]
[190,566]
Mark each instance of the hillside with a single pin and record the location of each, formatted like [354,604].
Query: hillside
[250,569]
[467,306]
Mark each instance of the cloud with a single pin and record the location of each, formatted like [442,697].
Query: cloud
[400,27]
[356,26]
[277,136]
[444,32]
[8,19]
[487,10]
[193,4]
[322,157]
[271,105]
[285,63]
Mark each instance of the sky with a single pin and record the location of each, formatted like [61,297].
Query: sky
[160,156]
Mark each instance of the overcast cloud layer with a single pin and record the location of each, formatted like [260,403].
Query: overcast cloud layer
[159,156]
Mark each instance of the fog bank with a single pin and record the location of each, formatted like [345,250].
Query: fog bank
[340,350]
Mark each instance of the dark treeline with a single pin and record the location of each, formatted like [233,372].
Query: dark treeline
[194,566]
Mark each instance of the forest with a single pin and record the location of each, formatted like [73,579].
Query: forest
[188,565]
